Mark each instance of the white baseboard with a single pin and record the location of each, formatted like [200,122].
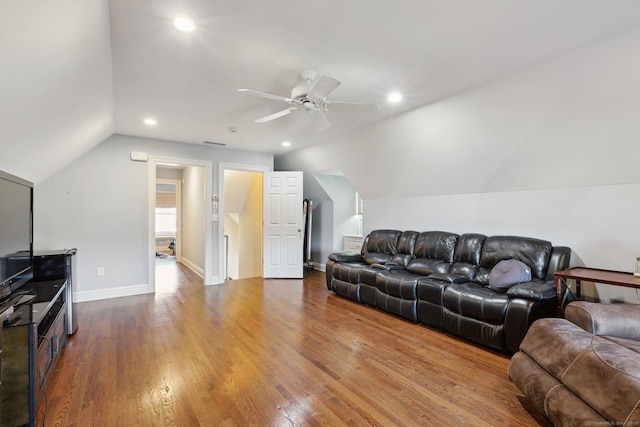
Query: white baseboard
[193,267]
[121,291]
[215,280]
[320,267]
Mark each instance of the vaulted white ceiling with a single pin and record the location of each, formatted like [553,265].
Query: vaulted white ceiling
[73,72]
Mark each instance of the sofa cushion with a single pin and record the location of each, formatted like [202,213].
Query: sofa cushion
[407,242]
[396,305]
[533,252]
[426,266]
[346,289]
[382,241]
[433,253]
[469,248]
[438,245]
[477,302]
[404,249]
[376,258]
[463,269]
[485,333]
[546,336]
[348,271]
[620,320]
[632,345]
[536,290]
[398,283]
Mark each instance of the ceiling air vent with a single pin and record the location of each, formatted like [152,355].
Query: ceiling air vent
[219,144]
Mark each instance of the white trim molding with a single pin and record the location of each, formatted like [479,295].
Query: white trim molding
[193,267]
[106,293]
[320,267]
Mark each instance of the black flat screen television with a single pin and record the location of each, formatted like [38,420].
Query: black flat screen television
[16,233]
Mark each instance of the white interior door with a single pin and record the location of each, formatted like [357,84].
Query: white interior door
[283,223]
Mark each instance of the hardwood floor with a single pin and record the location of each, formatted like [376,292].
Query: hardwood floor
[260,352]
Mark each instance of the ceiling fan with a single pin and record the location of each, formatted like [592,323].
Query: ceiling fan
[310,96]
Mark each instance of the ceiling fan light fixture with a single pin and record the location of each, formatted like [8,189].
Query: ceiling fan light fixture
[308,106]
[184,24]
[309,96]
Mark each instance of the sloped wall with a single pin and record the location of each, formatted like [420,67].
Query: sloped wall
[57,84]
[550,151]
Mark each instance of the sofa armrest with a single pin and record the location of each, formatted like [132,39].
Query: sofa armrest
[535,290]
[345,257]
[616,320]
[449,278]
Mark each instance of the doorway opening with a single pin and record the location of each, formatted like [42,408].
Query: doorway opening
[179,220]
[168,227]
[243,224]
[241,216]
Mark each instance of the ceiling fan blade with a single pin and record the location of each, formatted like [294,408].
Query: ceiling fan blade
[275,115]
[323,87]
[265,95]
[350,106]
[318,120]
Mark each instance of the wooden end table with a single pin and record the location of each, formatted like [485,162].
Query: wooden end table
[609,277]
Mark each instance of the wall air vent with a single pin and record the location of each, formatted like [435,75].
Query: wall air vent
[219,144]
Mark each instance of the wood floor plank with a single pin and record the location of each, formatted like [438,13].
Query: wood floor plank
[257,352]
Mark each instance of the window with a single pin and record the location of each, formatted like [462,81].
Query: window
[166,220]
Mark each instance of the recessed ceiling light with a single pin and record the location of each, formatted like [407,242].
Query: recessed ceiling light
[184,24]
[150,122]
[394,97]
[286,144]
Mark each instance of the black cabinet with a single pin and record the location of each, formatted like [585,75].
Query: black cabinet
[33,337]
[5,312]
[55,265]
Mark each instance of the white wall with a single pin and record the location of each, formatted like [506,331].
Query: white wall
[98,204]
[250,232]
[193,218]
[57,84]
[243,206]
[343,195]
[550,151]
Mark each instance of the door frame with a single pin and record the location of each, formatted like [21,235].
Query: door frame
[221,168]
[151,239]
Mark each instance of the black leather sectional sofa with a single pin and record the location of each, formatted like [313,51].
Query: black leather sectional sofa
[441,280]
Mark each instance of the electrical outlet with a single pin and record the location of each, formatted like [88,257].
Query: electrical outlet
[100,271]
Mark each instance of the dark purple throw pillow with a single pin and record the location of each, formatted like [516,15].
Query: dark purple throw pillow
[507,273]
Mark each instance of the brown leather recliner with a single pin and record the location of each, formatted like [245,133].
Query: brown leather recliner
[585,369]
